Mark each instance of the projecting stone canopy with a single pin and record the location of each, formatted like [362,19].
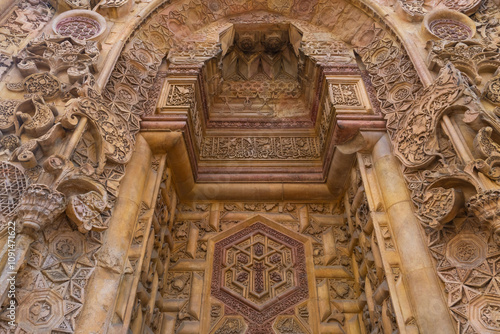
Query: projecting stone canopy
[264,101]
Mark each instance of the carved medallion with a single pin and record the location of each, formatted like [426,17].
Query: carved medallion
[43,311]
[44,84]
[492,91]
[259,272]
[7,115]
[68,246]
[81,28]
[466,251]
[485,314]
[82,25]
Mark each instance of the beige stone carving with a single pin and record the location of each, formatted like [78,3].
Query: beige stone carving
[195,172]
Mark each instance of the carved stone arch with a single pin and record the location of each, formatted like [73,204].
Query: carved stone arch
[137,68]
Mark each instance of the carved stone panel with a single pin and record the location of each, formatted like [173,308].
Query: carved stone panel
[261,268]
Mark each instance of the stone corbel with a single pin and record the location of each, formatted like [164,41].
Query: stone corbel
[440,205]
[487,154]
[491,91]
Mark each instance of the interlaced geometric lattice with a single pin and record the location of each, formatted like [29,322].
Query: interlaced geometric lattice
[12,185]
[259,272]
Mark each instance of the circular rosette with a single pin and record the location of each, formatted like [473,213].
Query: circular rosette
[80,24]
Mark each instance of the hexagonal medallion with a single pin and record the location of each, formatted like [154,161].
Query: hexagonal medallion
[259,271]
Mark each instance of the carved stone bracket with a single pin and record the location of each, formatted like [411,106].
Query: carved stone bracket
[467,56]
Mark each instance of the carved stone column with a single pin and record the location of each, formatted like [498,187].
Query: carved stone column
[421,280]
[111,260]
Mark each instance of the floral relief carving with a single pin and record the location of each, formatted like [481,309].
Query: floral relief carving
[492,90]
[486,20]
[389,68]
[486,207]
[416,9]
[27,18]
[117,142]
[439,206]
[416,143]
[59,191]
[469,57]
[344,94]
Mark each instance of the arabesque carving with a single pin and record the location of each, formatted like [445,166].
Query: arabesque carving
[26,19]
[394,79]
[439,206]
[44,190]
[416,142]
[469,57]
